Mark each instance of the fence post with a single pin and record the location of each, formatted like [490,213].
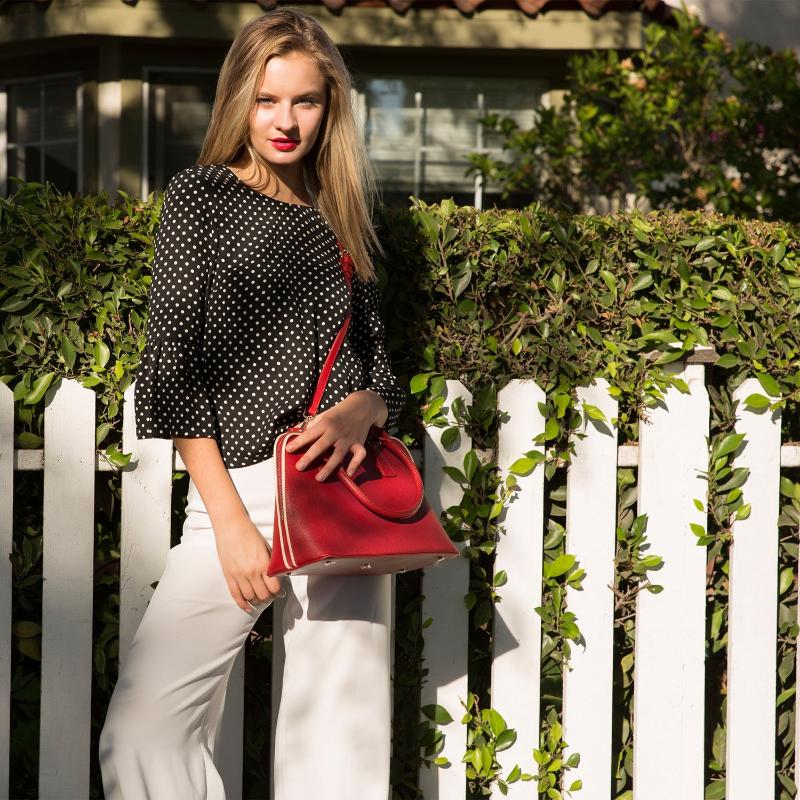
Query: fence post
[446,639]
[517,627]
[67,592]
[753,607]
[591,529]
[6,578]
[669,667]
[145,514]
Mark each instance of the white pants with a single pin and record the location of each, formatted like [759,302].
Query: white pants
[333,733]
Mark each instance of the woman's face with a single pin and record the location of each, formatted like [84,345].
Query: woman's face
[290,105]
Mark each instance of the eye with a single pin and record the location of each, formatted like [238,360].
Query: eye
[305,100]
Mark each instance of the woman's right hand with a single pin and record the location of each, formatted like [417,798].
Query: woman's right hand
[244,555]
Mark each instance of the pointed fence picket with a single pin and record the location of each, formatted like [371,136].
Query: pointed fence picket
[517,628]
[753,607]
[443,590]
[669,673]
[591,526]
[669,682]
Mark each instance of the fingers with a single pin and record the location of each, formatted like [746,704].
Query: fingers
[260,588]
[359,454]
[332,463]
[322,443]
[238,597]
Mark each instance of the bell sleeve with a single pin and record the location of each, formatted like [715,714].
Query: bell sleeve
[170,395]
[369,341]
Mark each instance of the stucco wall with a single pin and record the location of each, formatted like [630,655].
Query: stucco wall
[772,22]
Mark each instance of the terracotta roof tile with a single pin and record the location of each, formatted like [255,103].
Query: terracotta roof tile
[658,9]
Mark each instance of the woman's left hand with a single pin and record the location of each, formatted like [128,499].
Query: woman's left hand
[344,427]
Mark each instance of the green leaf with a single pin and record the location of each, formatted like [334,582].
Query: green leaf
[438,714]
[560,565]
[449,436]
[728,444]
[506,739]
[756,401]
[522,466]
[496,721]
[644,280]
[39,388]
[593,412]
[101,354]
[419,382]
[771,386]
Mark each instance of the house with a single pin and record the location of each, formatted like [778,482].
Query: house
[775,23]
[109,94]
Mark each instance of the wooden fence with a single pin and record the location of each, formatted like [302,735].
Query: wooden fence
[669,648]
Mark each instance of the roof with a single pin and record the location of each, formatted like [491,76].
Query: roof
[658,9]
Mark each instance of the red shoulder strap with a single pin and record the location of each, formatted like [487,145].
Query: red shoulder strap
[346,263]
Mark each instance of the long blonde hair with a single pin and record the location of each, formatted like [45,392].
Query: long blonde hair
[337,171]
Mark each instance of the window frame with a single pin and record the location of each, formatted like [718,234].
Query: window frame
[148,74]
[418,109]
[6,146]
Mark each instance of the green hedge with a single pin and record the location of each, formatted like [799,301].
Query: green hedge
[483,296]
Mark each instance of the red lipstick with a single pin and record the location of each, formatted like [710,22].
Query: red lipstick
[282,143]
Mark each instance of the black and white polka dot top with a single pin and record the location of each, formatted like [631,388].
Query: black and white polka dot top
[247,296]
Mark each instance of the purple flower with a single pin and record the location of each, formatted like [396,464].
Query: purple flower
[761,128]
[714,136]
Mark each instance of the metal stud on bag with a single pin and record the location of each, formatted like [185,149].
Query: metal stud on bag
[366,566]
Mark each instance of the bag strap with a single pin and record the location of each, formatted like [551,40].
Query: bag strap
[346,263]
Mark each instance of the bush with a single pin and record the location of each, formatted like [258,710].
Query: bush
[690,121]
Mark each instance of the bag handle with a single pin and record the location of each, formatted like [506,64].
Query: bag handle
[383,439]
[346,262]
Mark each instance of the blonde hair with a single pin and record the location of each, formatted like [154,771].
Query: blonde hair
[337,172]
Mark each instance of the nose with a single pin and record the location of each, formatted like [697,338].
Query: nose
[285,120]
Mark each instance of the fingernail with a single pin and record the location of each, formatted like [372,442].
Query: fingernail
[301,464]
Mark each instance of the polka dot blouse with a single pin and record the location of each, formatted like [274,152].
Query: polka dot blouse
[247,296]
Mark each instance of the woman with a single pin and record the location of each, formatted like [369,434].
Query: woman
[246,298]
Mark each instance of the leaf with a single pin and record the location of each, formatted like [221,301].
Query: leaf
[449,435]
[642,282]
[496,721]
[771,386]
[29,441]
[593,412]
[728,361]
[101,354]
[560,565]
[522,466]
[756,401]
[506,739]
[438,714]
[419,382]
[728,444]
[39,388]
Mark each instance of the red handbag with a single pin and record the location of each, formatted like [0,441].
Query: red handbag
[375,521]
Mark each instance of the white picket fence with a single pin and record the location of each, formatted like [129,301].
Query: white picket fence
[669,657]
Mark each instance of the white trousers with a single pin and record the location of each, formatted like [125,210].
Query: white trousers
[333,735]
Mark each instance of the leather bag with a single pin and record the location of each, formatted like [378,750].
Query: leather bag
[375,521]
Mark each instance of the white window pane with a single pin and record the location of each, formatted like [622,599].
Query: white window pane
[419,130]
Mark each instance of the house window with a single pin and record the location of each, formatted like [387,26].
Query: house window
[41,122]
[419,130]
[178,113]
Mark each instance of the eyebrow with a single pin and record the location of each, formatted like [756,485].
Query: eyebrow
[312,93]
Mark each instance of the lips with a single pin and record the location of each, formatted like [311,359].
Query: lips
[286,141]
